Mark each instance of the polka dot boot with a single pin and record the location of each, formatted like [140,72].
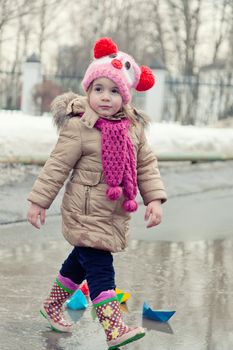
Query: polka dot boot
[52,308]
[117,333]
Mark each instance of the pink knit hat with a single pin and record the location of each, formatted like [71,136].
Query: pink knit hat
[119,67]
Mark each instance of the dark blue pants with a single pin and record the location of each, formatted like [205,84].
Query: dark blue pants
[94,265]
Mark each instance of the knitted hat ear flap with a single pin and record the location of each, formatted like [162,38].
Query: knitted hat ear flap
[147,79]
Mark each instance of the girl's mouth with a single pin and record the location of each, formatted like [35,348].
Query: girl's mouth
[105,107]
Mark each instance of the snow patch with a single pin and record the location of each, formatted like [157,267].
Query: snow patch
[29,137]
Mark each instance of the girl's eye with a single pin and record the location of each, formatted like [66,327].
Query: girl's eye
[97,88]
[115,91]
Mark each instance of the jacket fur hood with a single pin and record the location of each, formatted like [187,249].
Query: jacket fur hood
[70,104]
[62,107]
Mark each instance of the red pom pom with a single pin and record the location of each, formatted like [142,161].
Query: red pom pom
[147,79]
[104,47]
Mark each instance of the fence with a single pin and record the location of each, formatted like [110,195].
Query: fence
[11,89]
[188,100]
[194,100]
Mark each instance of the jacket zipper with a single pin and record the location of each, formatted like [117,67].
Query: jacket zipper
[87,199]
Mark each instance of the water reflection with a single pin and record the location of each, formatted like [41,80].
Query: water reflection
[75,315]
[52,339]
[193,278]
[157,326]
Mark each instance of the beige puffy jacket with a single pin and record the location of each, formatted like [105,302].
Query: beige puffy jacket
[89,218]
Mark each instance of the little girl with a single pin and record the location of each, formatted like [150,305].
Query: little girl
[102,141]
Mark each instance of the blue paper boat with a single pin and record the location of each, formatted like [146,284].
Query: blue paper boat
[156,315]
[78,301]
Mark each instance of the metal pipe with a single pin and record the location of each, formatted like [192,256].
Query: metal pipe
[162,157]
[193,156]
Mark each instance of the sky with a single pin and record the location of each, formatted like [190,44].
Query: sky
[29,137]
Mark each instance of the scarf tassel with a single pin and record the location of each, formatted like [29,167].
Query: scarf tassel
[130,205]
[114,193]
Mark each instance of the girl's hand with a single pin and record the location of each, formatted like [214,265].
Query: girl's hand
[154,213]
[33,212]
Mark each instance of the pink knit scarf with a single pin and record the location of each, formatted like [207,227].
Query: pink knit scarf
[119,163]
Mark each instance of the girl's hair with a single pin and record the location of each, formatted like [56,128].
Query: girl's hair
[133,114]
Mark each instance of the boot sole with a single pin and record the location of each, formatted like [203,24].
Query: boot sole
[63,330]
[127,341]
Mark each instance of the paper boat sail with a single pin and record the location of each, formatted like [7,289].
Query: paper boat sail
[122,297]
[77,301]
[156,315]
[84,288]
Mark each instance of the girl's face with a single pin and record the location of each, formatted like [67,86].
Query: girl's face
[105,97]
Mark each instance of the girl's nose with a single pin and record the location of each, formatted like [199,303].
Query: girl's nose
[105,96]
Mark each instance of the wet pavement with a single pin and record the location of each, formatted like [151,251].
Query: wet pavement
[186,264]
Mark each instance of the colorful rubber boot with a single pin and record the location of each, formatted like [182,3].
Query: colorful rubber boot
[109,315]
[52,308]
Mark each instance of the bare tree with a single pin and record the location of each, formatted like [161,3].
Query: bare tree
[126,22]
[224,24]
[160,31]
[185,22]
[10,10]
[48,28]
[230,40]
